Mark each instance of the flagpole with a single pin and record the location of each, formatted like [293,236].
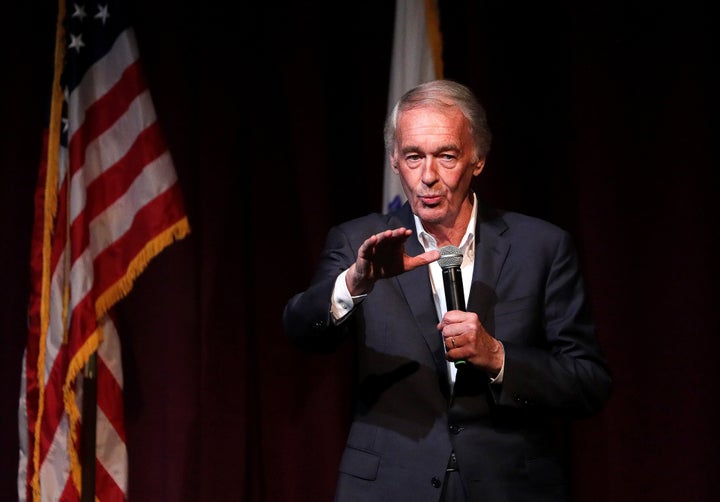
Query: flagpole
[89,429]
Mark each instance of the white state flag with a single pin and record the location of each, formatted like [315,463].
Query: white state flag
[416,58]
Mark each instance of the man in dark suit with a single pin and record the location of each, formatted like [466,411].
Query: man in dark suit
[453,405]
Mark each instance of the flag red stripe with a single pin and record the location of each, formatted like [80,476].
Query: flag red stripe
[114,182]
[103,113]
[82,326]
[70,493]
[106,485]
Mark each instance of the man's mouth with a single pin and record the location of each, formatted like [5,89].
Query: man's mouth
[430,200]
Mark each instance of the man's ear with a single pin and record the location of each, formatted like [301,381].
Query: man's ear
[394,164]
[479,166]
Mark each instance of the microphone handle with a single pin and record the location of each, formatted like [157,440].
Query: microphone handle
[454,294]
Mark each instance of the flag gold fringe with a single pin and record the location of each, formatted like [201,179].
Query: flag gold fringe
[122,287]
[69,399]
[49,213]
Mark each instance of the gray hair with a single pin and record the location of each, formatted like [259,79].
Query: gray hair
[440,94]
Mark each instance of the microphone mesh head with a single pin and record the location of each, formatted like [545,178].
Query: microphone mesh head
[450,256]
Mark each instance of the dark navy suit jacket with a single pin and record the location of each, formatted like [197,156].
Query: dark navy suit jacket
[528,292]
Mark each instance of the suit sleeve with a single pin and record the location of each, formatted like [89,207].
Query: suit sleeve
[306,318]
[566,372]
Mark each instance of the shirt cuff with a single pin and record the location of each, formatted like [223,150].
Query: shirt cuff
[342,302]
[499,378]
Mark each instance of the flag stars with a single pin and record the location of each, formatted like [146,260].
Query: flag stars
[76,42]
[102,13]
[79,12]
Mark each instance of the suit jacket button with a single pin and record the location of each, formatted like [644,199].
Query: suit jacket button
[436,482]
[455,429]
[521,400]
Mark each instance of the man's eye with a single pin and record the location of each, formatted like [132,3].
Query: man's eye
[413,160]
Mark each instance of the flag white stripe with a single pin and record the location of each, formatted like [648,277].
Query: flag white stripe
[109,147]
[54,338]
[111,450]
[112,223]
[110,350]
[101,77]
[62,165]
[114,143]
[55,469]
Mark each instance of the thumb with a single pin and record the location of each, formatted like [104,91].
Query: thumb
[422,259]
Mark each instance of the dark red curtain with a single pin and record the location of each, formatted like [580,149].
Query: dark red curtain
[602,118]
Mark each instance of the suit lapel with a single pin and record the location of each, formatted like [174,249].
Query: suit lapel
[415,286]
[491,251]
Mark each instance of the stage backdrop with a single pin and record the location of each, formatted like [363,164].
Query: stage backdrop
[274,114]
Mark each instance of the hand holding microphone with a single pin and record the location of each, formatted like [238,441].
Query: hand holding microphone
[485,351]
[451,259]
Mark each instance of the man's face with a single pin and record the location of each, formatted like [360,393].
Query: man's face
[435,158]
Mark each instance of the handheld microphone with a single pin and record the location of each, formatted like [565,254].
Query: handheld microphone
[450,260]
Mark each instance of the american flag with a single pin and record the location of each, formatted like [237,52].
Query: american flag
[107,201]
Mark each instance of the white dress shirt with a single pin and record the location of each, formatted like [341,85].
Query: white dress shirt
[343,303]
